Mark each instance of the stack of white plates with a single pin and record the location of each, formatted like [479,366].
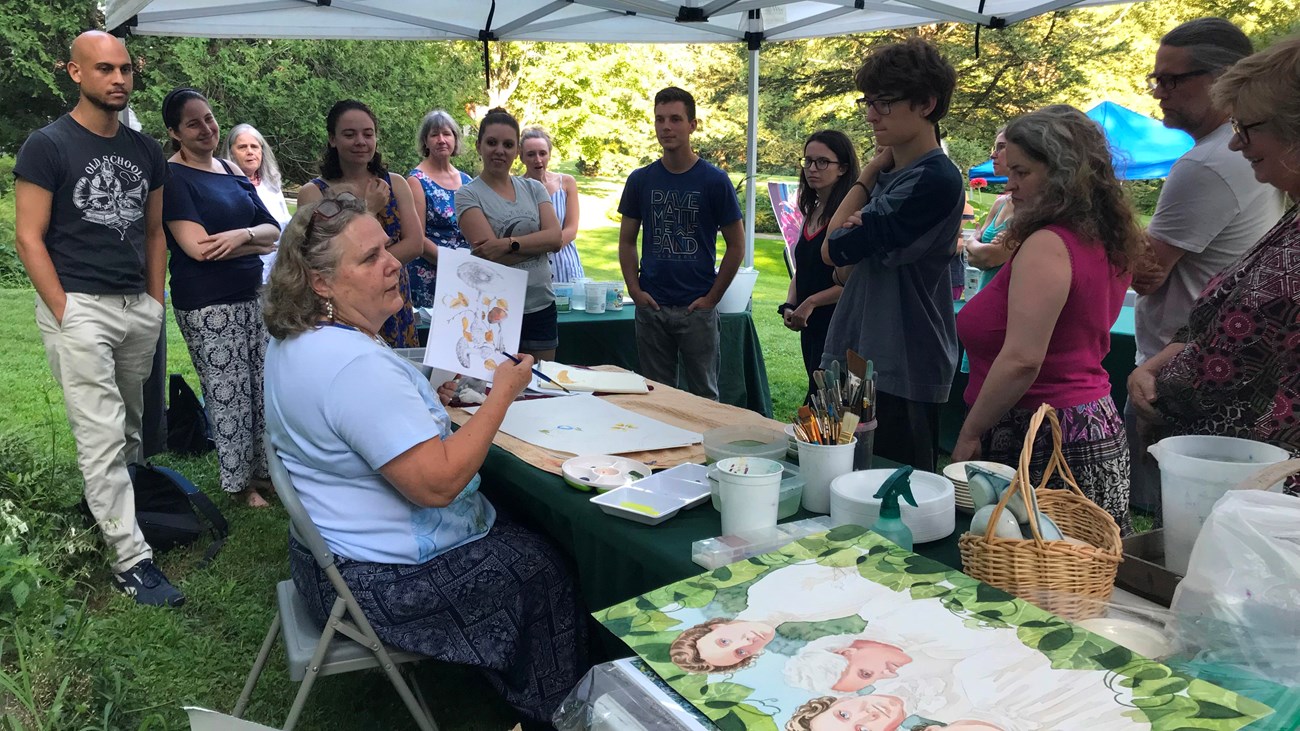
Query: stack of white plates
[956,472]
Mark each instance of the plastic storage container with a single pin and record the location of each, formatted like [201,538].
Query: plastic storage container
[743,441]
[791,490]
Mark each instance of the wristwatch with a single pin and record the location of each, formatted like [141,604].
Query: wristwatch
[781,308]
[514,245]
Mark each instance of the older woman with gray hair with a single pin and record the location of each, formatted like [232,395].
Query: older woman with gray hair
[434,183]
[393,491]
[247,148]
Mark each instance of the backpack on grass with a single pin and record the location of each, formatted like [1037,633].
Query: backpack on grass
[172,511]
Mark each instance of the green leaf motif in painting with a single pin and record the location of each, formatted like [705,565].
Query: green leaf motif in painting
[809,631]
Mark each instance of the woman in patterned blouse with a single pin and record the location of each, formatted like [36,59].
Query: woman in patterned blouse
[434,183]
[1234,369]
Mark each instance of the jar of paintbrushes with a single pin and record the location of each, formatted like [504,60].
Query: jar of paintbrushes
[827,427]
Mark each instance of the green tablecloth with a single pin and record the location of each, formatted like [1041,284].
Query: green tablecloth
[617,559]
[1119,363]
[610,339]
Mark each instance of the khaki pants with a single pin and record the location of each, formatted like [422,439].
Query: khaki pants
[101,355]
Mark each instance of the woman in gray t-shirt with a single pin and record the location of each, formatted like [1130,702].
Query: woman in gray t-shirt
[511,220]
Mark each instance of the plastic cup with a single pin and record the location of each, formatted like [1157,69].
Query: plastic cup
[866,436]
[563,296]
[821,464]
[614,296]
[595,297]
[749,489]
[578,299]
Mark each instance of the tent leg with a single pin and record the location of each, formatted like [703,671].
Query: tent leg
[751,157]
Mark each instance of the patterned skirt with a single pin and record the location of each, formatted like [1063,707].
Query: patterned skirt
[1094,446]
[505,604]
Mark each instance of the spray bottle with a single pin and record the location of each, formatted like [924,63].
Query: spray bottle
[890,524]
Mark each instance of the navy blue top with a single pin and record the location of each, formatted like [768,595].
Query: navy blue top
[100,188]
[680,215]
[897,304]
[217,202]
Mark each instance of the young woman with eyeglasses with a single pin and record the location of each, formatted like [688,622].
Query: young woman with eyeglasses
[826,172]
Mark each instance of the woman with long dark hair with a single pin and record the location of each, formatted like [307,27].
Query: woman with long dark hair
[1040,329]
[826,172]
[352,162]
[217,227]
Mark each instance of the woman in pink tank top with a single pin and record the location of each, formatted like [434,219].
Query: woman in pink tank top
[1037,333]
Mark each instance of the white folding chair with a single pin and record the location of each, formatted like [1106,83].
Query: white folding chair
[346,644]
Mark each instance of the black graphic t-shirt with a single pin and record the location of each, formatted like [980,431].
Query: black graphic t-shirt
[96,236]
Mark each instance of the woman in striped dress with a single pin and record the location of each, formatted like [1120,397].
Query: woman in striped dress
[566,265]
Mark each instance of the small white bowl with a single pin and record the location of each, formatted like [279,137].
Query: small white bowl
[1144,639]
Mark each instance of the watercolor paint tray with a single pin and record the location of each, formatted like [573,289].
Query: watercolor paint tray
[603,472]
[659,497]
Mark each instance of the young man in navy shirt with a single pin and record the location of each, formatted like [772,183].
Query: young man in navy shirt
[891,241]
[678,204]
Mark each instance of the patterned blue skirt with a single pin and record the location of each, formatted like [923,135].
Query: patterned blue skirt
[504,604]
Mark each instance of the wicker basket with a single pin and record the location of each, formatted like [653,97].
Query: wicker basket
[1073,581]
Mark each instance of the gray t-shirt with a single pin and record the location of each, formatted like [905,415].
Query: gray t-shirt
[100,188]
[1213,209]
[519,217]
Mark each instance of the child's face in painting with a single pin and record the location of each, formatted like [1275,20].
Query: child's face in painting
[731,642]
[861,713]
[869,662]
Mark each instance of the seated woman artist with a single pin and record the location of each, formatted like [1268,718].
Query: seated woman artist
[1234,370]
[392,490]
[1039,331]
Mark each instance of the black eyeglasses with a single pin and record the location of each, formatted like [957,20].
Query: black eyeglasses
[817,163]
[1243,130]
[882,105]
[1169,82]
[999,147]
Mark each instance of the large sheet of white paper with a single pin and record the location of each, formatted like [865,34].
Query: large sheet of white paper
[581,379]
[590,425]
[477,315]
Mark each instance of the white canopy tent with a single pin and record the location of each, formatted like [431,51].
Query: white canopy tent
[752,22]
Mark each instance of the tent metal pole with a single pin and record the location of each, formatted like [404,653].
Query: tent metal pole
[751,154]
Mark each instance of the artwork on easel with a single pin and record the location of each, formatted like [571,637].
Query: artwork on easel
[845,630]
[590,425]
[477,314]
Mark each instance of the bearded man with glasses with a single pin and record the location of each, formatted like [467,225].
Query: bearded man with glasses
[1211,209]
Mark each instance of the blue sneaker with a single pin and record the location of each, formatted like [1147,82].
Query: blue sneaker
[146,583]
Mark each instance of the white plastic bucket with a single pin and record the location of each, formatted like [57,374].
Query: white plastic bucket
[749,489]
[1195,471]
[820,465]
[736,298]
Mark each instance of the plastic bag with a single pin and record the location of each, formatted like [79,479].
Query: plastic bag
[1241,598]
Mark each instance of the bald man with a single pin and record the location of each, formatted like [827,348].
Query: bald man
[89,232]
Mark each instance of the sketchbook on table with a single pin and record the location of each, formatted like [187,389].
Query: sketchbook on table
[845,630]
[477,314]
[590,425]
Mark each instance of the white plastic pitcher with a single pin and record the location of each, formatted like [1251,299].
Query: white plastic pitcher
[1195,471]
[749,489]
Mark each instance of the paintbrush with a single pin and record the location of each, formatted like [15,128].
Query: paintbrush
[538,373]
[849,423]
